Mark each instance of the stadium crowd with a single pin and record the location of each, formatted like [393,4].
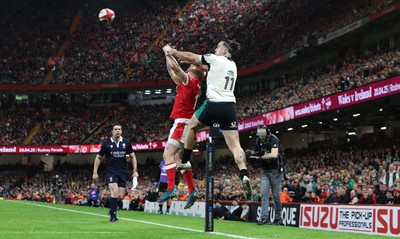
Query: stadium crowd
[80,123]
[282,25]
[69,126]
[31,39]
[366,171]
[103,53]
[122,51]
[321,81]
[15,126]
[142,123]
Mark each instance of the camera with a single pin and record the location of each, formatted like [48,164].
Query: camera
[249,153]
[254,162]
[259,153]
[255,153]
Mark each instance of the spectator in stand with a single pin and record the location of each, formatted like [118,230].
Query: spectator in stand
[331,196]
[353,197]
[343,198]
[381,196]
[297,192]
[367,197]
[391,176]
[390,198]
[315,199]
[396,197]
[307,185]
[285,198]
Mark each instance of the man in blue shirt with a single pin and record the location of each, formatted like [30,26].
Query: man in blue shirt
[114,150]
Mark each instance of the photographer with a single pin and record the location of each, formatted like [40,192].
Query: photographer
[266,150]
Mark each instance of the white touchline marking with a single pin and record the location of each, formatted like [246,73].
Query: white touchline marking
[54,232]
[140,221]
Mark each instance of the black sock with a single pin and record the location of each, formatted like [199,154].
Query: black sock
[243,173]
[113,207]
[186,155]
[160,205]
[119,203]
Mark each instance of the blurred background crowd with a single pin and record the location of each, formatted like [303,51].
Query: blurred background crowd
[72,47]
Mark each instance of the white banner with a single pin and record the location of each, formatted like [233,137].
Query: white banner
[197,210]
[371,219]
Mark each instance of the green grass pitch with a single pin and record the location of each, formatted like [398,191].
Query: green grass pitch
[31,220]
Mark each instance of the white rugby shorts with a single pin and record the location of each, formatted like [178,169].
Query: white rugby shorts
[177,134]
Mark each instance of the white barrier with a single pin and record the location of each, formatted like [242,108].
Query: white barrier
[197,210]
[125,204]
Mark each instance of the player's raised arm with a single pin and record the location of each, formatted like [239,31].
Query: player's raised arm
[175,71]
[184,55]
[173,67]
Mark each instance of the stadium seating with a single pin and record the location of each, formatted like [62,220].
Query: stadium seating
[34,33]
[122,51]
[341,168]
[89,125]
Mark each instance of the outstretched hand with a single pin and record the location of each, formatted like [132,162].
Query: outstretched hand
[167,49]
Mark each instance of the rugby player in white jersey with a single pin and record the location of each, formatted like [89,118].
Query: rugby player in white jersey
[220,105]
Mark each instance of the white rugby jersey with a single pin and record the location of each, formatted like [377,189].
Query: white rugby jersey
[221,79]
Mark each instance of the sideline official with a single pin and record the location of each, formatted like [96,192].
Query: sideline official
[58,188]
